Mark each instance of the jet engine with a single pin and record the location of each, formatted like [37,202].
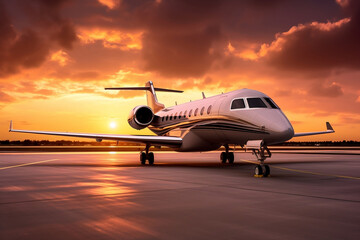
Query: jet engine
[140,117]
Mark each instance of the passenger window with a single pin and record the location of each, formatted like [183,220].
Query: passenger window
[162,119]
[167,117]
[256,103]
[171,117]
[180,114]
[237,103]
[175,116]
[271,103]
[190,113]
[209,110]
[185,113]
[196,111]
[202,111]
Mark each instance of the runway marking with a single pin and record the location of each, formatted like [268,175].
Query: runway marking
[27,164]
[308,172]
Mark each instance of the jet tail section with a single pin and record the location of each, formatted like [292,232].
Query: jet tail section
[150,94]
[152,98]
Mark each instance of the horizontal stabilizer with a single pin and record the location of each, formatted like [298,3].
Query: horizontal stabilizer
[329,129]
[145,88]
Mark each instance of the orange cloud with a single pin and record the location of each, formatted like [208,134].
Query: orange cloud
[111,38]
[60,57]
[247,52]
[4,97]
[110,3]
[343,3]
[283,38]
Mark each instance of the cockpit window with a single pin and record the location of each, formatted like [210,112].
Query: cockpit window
[271,103]
[238,103]
[256,103]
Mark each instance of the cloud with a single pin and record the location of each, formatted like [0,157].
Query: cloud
[60,57]
[111,38]
[318,46]
[181,55]
[320,90]
[26,42]
[46,17]
[110,3]
[6,98]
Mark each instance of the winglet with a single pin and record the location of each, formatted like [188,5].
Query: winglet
[329,127]
[10,128]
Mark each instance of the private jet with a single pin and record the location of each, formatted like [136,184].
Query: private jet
[245,117]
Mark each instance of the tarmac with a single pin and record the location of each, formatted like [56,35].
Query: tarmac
[108,195]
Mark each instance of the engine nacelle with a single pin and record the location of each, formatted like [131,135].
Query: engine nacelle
[140,117]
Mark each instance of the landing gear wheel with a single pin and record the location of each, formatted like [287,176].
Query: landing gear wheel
[266,170]
[151,158]
[258,170]
[142,158]
[223,157]
[230,157]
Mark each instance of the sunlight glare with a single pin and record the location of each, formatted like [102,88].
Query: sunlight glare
[112,125]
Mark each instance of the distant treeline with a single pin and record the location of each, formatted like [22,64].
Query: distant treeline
[111,143]
[322,143]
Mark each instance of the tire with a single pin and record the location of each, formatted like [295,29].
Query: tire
[142,158]
[258,170]
[223,157]
[231,157]
[266,170]
[151,158]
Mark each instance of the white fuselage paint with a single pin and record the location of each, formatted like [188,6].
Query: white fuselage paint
[222,125]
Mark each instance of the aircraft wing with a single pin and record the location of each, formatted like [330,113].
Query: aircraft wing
[146,139]
[329,129]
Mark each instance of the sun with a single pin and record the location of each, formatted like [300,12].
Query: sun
[112,125]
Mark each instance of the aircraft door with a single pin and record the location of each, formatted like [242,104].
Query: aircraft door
[221,108]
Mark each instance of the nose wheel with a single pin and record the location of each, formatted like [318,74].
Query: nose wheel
[262,170]
[227,156]
[149,156]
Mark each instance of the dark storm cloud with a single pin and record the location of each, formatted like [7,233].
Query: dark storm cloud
[177,41]
[46,14]
[182,38]
[26,41]
[180,55]
[320,46]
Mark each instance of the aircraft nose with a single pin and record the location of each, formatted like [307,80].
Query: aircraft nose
[282,128]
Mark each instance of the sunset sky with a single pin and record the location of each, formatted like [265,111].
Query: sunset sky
[57,56]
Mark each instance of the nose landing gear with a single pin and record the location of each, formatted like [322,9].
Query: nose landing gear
[261,154]
[261,151]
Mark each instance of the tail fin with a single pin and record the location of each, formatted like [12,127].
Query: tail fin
[150,94]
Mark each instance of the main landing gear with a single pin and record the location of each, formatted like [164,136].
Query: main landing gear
[149,156]
[261,154]
[227,156]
